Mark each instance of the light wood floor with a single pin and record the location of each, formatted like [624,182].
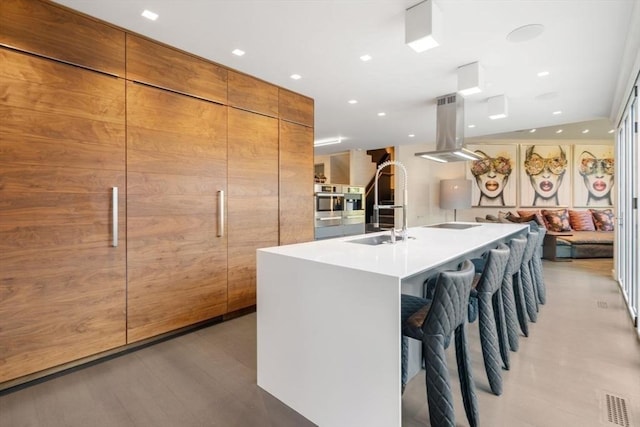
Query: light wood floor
[582,348]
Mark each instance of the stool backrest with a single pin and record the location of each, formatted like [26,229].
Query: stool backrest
[532,245]
[450,299]
[493,272]
[516,246]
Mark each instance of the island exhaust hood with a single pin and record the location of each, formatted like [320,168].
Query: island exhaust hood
[450,132]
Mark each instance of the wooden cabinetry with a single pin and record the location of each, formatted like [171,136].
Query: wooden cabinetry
[253,200]
[162,66]
[177,252]
[52,31]
[249,93]
[62,149]
[296,183]
[295,108]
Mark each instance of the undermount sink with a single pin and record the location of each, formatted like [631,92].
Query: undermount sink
[453,226]
[382,239]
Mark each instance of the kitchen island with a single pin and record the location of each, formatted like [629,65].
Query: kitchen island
[328,317]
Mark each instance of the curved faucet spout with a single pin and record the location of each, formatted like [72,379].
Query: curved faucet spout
[377,206]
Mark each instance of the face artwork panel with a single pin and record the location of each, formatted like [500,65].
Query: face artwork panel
[595,173]
[544,177]
[491,175]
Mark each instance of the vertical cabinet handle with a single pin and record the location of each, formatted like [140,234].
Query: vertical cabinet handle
[220,213]
[114,219]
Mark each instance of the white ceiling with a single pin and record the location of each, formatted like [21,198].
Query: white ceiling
[322,40]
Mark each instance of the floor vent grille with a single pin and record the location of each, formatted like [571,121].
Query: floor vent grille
[617,414]
[602,304]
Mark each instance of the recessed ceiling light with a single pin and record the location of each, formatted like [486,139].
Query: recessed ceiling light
[471,126]
[585,131]
[411,135]
[296,76]
[353,101]
[543,74]
[559,131]
[366,58]
[525,33]
[532,130]
[238,52]
[555,113]
[150,15]
[611,131]
[381,114]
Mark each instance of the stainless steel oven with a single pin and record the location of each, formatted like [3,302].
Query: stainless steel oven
[329,198]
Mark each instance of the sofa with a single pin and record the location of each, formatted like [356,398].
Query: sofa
[570,233]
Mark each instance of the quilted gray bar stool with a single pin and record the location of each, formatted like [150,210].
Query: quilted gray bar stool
[491,321]
[433,324]
[516,247]
[536,268]
[526,303]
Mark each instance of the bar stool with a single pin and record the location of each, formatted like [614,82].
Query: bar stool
[433,324]
[526,303]
[491,321]
[516,247]
[536,268]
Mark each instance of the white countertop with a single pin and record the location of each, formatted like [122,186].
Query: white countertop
[431,248]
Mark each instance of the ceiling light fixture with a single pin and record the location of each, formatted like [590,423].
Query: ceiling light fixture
[497,106]
[470,79]
[471,126]
[532,130]
[353,101]
[152,16]
[382,114]
[423,26]
[543,74]
[611,131]
[557,113]
[365,58]
[411,135]
[327,141]
[585,131]
[559,131]
[238,52]
[296,76]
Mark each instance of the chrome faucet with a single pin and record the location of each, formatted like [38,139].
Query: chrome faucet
[377,206]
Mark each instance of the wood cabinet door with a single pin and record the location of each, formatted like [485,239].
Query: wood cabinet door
[46,29]
[177,248]
[296,183]
[62,150]
[253,200]
[295,108]
[249,93]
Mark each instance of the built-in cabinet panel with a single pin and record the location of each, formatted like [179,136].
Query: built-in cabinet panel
[158,65]
[296,183]
[177,247]
[52,31]
[62,150]
[249,93]
[253,200]
[296,108]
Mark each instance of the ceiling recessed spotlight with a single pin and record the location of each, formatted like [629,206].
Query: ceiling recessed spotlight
[150,15]
[556,113]
[611,131]
[471,126]
[366,58]
[543,73]
[296,76]
[238,52]
[382,114]
[411,135]
[525,33]
[532,130]
[585,131]
[353,101]
[559,131]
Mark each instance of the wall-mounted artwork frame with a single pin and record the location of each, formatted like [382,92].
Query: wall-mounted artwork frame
[545,175]
[594,174]
[494,179]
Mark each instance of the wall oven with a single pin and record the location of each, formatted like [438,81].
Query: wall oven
[329,198]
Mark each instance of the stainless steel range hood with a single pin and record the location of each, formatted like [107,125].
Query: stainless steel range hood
[450,132]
